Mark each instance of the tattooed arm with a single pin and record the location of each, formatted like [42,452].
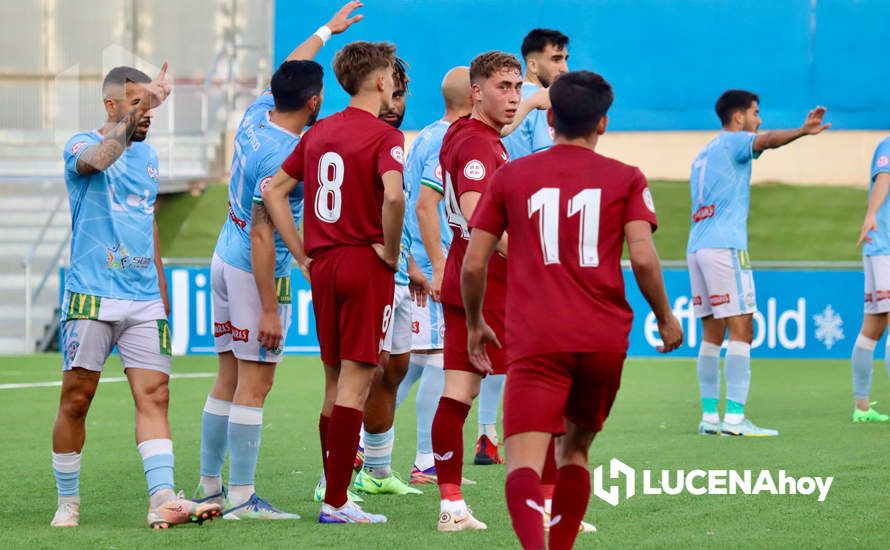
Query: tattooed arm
[262,263]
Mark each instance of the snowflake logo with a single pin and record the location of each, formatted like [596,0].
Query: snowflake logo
[829,327]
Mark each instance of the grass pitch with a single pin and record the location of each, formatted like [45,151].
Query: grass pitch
[652,426]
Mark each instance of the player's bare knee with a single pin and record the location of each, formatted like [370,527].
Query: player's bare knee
[152,398]
[76,403]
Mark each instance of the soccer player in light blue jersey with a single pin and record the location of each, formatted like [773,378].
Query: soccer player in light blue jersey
[250,280]
[875,236]
[378,434]
[116,295]
[425,217]
[719,268]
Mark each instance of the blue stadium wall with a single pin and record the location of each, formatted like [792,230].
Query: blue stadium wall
[667,60]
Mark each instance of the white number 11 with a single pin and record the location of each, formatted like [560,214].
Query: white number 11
[545,201]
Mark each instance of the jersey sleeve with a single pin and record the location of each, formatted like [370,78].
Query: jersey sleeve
[477,163]
[881,161]
[264,102]
[266,168]
[640,205]
[742,146]
[75,148]
[491,213]
[432,174]
[542,137]
[391,154]
[293,164]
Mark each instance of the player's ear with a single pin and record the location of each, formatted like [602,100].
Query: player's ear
[601,125]
[476,90]
[110,107]
[550,117]
[531,65]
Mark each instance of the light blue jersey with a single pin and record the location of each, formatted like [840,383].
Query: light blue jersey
[880,239]
[422,168]
[533,133]
[260,148]
[112,223]
[721,192]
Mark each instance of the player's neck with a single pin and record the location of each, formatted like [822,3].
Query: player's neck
[479,115]
[292,122]
[453,114]
[587,142]
[370,103]
[532,79]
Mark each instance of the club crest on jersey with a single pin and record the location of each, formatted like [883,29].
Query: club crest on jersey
[438,172]
[474,170]
[116,256]
[264,183]
[154,174]
[398,154]
[647,200]
[883,161]
[78,147]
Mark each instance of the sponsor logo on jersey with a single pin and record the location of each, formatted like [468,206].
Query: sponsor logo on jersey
[78,147]
[235,219]
[883,161]
[398,154]
[117,257]
[153,173]
[264,183]
[647,200]
[702,213]
[719,299]
[474,170]
[240,334]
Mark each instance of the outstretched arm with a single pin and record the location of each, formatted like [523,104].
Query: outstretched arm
[778,138]
[538,100]
[338,23]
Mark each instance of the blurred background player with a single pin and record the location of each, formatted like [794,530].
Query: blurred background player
[376,475]
[351,166]
[717,253]
[876,264]
[252,309]
[566,235]
[471,152]
[427,224]
[116,296]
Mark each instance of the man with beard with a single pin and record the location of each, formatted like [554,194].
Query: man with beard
[250,280]
[116,295]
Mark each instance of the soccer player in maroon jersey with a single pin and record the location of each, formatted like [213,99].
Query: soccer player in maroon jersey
[568,211]
[471,152]
[351,166]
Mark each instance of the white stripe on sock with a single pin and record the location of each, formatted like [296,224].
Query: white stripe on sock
[154,447]
[865,342]
[66,463]
[738,348]
[240,414]
[709,350]
[436,360]
[217,406]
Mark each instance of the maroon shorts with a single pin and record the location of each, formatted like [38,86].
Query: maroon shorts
[544,390]
[352,292]
[456,355]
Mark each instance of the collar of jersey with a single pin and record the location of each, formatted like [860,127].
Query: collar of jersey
[277,127]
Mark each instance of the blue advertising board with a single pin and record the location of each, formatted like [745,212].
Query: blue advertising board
[802,314]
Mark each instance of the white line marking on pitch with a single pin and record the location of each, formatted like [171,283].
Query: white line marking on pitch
[57,383]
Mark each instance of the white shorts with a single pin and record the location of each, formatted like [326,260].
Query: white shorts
[722,282]
[427,326]
[237,309]
[877,284]
[398,334]
[91,326]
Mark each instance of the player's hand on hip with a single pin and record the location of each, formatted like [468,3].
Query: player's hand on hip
[270,329]
[477,339]
[813,124]
[671,334]
[392,263]
[870,224]
[342,20]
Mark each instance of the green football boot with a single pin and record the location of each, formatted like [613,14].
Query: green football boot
[871,415]
[390,485]
[319,494]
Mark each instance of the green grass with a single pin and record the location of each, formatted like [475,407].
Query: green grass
[652,426]
[787,222]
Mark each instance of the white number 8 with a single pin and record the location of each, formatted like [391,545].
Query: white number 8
[329,199]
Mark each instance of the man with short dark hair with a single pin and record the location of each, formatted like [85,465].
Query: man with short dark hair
[351,167]
[116,296]
[568,211]
[471,152]
[250,280]
[719,267]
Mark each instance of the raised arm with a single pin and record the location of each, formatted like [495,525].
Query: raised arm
[647,271]
[99,157]
[778,138]
[338,23]
[538,100]
[875,201]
